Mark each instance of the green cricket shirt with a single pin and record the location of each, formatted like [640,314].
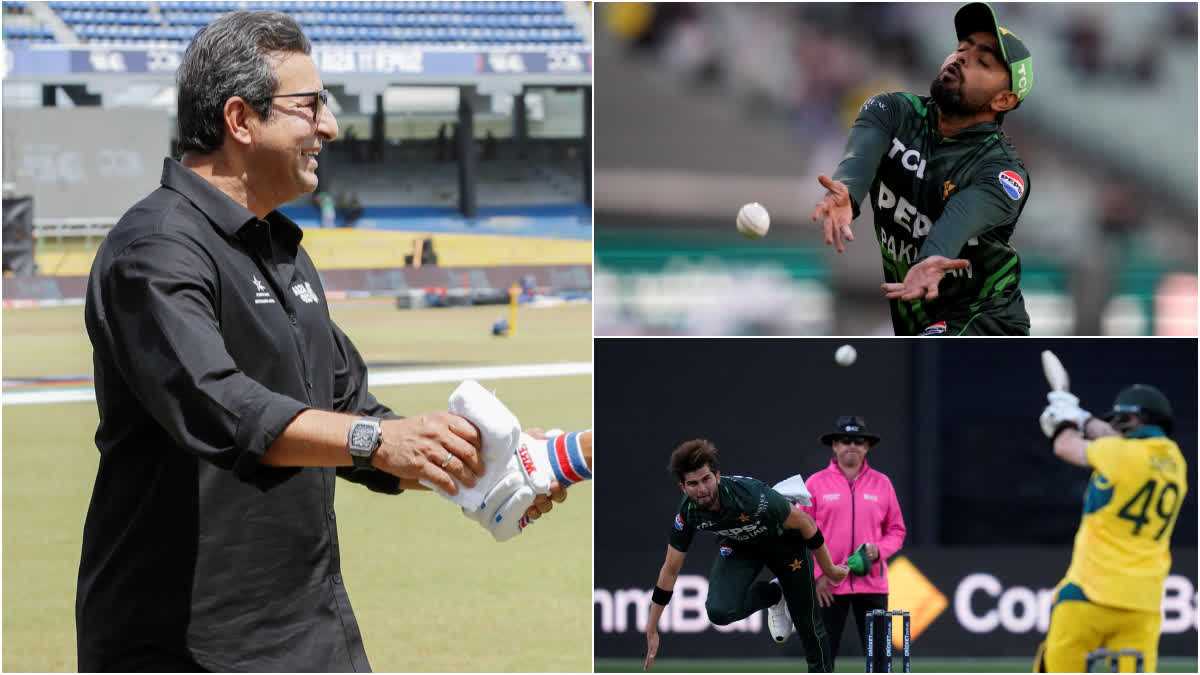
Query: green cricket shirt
[956,197]
[750,510]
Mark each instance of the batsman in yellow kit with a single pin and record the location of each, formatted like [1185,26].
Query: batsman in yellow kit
[1112,594]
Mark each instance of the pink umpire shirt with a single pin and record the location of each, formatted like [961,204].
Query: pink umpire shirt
[850,513]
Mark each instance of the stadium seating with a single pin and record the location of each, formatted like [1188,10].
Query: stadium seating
[411,23]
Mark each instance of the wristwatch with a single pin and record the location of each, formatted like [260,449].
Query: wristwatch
[364,439]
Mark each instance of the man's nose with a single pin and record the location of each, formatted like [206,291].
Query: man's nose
[327,126]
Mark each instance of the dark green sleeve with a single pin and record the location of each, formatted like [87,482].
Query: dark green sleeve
[983,205]
[778,507]
[681,529]
[867,144]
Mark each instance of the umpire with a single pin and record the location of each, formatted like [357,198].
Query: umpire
[946,185]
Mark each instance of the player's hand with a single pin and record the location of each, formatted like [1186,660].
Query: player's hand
[824,595]
[417,447]
[1063,407]
[923,278]
[651,649]
[837,574]
[542,503]
[836,211]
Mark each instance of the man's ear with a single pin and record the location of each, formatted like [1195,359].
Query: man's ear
[238,115]
[1005,101]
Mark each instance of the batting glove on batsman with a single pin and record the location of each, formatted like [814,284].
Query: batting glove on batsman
[1064,407]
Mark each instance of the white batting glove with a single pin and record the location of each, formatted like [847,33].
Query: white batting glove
[503,510]
[534,465]
[1064,407]
[557,458]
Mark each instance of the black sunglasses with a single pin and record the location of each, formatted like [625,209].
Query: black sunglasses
[320,98]
[852,440]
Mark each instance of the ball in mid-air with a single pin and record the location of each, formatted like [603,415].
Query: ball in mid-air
[845,355]
[753,220]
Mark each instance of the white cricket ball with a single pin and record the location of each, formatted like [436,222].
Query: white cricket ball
[845,355]
[753,221]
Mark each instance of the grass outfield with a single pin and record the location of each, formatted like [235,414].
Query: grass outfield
[431,590]
[852,665]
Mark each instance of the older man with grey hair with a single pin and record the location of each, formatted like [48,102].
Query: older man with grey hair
[228,399]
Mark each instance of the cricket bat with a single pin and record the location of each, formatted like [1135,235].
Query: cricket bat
[1056,375]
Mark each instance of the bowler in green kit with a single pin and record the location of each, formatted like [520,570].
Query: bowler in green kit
[947,188]
[757,527]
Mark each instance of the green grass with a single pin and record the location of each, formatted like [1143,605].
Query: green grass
[431,590]
[854,664]
[53,341]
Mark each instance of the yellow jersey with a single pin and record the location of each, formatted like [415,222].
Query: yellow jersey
[1122,549]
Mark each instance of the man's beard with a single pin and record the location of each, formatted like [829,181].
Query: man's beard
[951,101]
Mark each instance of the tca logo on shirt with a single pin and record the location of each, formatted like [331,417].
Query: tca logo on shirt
[305,292]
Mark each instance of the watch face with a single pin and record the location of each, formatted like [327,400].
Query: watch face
[362,437]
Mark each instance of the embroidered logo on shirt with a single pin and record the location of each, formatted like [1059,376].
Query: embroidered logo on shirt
[261,295]
[678,522]
[725,551]
[305,292]
[871,498]
[1012,184]
[830,498]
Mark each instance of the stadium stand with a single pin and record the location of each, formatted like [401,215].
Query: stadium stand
[515,74]
[452,23]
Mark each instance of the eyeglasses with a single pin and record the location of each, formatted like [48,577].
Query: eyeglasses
[320,98]
[852,440]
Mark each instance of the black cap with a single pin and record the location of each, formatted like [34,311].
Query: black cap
[850,425]
[977,16]
[1140,399]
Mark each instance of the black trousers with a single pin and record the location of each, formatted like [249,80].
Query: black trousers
[858,604]
[733,593]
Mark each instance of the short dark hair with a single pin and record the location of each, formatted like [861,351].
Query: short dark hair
[691,456]
[231,57]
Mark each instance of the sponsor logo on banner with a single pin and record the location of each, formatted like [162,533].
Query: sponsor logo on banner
[1012,184]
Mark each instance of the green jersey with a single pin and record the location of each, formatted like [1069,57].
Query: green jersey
[956,197]
[750,510]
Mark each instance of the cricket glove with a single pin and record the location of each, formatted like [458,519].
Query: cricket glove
[1063,407]
[502,512]
[535,464]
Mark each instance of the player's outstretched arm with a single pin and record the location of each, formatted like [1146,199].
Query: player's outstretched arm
[799,520]
[663,588]
[834,212]
[923,278]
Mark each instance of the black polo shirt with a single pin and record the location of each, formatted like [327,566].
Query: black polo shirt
[210,333]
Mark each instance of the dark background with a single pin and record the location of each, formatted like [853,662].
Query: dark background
[974,475]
